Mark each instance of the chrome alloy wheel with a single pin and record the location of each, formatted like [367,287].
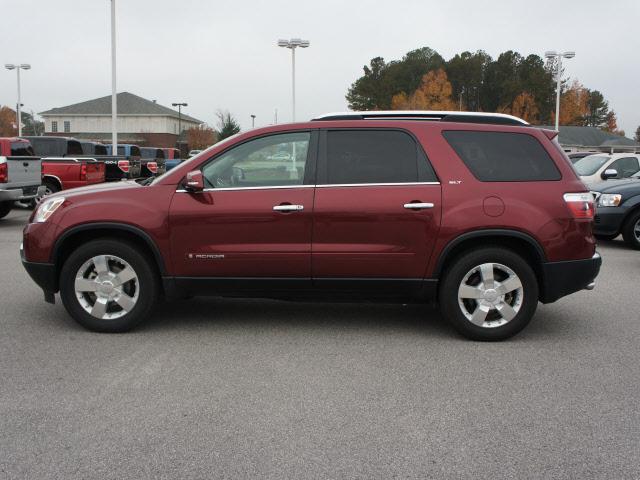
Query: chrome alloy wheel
[636,230]
[490,295]
[107,287]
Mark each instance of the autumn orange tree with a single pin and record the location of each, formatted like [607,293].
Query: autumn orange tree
[434,93]
[523,106]
[8,126]
[200,137]
[574,105]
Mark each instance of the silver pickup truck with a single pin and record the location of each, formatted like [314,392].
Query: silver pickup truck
[20,174]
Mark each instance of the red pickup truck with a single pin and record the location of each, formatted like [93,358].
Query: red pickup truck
[62,173]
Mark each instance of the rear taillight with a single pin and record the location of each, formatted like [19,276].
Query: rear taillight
[153,167]
[123,165]
[83,171]
[4,172]
[580,204]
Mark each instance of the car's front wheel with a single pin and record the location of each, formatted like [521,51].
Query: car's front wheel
[489,294]
[631,231]
[109,285]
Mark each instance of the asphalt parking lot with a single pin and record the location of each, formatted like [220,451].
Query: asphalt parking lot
[215,388]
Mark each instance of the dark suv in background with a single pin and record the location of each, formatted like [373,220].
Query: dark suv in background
[480,212]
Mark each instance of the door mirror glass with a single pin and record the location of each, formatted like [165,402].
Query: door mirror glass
[609,173]
[194,181]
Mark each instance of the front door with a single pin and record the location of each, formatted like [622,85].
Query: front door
[377,209]
[254,219]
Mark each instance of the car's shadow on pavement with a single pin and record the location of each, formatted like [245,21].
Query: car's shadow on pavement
[223,313]
[616,244]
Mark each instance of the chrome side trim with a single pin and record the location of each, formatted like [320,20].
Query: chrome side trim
[328,185]
[390,184]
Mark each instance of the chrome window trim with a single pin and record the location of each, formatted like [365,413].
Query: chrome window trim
[340,185]
[389,184]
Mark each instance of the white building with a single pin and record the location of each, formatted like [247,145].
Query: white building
[140,121]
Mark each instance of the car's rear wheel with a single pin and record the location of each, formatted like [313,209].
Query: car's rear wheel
[489,294]
[5,208]
[631,231]
[109,285]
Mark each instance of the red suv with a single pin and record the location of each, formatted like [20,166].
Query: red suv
[480,212]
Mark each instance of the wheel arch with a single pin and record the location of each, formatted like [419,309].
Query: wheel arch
[520,242]
[83,233]
[54,179]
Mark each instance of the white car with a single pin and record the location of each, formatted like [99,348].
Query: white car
[193,153]
[592,168]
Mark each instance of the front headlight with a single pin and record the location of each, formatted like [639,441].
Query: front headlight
[46,209]
[609,200]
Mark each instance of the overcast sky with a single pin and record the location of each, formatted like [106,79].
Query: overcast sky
[223,54]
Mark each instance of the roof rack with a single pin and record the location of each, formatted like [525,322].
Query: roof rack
[439,116]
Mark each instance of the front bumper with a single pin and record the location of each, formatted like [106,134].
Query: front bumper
[44,274]
[564,278]
[608,220]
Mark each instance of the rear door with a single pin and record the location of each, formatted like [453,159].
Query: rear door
[377,208]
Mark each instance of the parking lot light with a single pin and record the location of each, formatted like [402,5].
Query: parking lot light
[17,68]
[559,56]
[292,44]
[179,105]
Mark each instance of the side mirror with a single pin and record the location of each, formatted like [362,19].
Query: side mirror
[609,173]
[194,182]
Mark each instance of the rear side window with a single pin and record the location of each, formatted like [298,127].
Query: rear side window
[375,156]
[135,151]
[21,149]
[503,156]
[74,147]
[99,150]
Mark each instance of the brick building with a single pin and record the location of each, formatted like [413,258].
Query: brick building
[140,121]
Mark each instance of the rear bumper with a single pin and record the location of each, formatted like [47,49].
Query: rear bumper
[44,274]
[564,278]
[23,193]
[10,195]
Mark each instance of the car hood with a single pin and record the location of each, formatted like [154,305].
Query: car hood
[626,187]
[98,188]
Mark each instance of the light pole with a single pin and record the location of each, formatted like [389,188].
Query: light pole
[253,121]
[114,98]
[558,56]
[17,68]
[292,45]
[179,105]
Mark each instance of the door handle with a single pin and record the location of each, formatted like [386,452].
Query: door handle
[288,208]
[418,205]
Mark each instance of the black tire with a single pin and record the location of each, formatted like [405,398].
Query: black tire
[630,231]
[5,208]
[146,285]
[525,300]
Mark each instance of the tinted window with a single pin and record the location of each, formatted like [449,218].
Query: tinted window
[625,166]
[135,151]
[74,147]
[100,150]
[159,153]
[21,149]
[120,150]
[503,157]
[45,147]
[590,165]
[148,152]
[373,156]
[276,160]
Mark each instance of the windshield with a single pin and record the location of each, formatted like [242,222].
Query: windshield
[590,165]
